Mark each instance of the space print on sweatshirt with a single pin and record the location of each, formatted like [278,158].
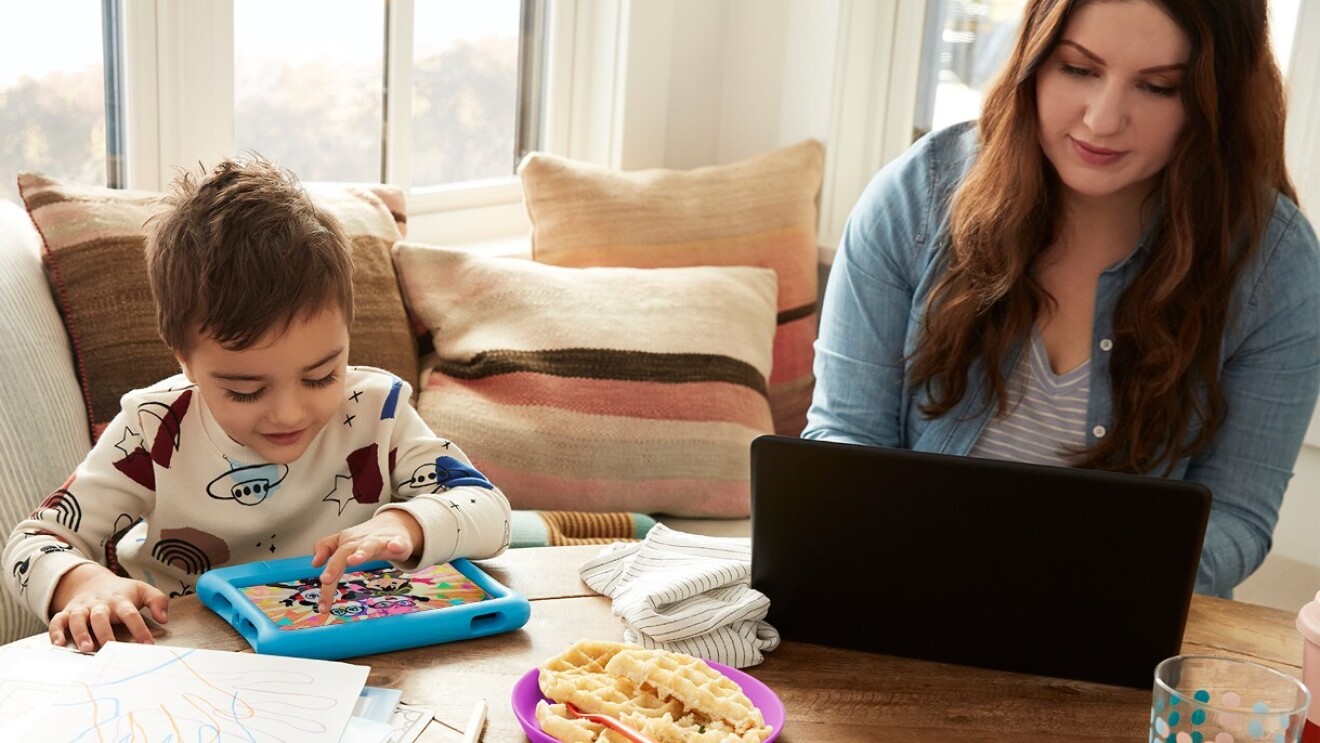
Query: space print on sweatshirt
[165,494]
[138,463]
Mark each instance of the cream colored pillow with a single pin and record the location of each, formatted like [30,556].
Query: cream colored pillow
[761,211]
[597,389]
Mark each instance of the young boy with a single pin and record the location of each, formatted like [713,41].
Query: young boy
[267,445]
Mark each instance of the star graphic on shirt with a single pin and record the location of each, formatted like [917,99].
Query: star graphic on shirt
[356,394]
[340,499]
[348,420]
[132,439]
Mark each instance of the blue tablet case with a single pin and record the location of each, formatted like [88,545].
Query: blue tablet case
[222,590]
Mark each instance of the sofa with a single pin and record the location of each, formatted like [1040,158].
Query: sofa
[609,381]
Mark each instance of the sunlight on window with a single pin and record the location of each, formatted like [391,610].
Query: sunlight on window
[465,90]
[976,41]
[977,38]
[52,92]
[309,85]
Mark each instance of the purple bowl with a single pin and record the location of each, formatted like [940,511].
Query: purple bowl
[527,692]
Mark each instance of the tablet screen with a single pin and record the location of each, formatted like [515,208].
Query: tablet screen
[363,595]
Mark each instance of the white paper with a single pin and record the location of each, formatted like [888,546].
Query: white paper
[409,722]
[362,730]
[152,692]
[33,672]
[376,703]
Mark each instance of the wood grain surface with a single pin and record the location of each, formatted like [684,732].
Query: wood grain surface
[830,694]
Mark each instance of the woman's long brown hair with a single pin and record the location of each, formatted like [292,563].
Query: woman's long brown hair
[1217,194]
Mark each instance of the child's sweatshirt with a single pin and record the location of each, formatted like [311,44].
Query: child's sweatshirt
[165,494]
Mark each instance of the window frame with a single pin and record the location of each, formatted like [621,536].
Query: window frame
[179,104]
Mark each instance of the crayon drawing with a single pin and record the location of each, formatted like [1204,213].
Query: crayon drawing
[137,693]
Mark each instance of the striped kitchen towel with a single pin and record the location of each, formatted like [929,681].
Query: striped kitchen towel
[686,593]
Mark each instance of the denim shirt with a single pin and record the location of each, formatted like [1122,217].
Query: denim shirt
[890,258]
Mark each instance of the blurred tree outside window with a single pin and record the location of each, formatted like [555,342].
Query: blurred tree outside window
[465,90]
[309,89]
[52,92]
[309,86]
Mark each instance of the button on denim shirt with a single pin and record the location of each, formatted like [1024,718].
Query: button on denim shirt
[889,259]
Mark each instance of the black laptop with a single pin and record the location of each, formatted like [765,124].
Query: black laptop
[1053,571]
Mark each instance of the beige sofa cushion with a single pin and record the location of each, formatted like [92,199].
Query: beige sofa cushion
[761,211]
[597,389]
[43,428]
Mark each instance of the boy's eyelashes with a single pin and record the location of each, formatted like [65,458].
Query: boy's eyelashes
[244,396]
[236,396]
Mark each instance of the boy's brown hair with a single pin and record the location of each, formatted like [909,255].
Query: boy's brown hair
[241,251]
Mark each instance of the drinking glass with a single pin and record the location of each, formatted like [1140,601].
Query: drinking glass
[1215,699]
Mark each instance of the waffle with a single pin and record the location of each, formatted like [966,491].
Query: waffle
[671,697]
[704,692]
[578,675]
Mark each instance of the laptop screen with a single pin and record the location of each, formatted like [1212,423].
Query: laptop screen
[1054,571]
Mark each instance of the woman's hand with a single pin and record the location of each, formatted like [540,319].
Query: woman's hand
[90,600]
[390,535]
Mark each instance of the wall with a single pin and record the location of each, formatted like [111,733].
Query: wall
[748,76]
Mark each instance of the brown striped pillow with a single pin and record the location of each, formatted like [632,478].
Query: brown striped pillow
[597,389]
[759,212]
[94,240]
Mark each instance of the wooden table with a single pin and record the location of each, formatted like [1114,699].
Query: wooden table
[830,695]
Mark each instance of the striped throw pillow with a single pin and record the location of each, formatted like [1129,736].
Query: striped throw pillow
[759,212]
[597,389]
[94,241]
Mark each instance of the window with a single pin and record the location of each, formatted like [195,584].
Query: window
[966,42]
[965,45]
[309,86]
[465,91]
[53,82]
[311,90]
[441,97]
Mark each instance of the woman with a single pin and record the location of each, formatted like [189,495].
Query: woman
[1107,271]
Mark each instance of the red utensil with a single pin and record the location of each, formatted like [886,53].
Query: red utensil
[608,722]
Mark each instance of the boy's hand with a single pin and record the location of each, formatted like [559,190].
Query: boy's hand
[391,535]
[91,600]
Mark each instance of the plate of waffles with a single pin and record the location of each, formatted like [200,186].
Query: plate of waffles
[643,688]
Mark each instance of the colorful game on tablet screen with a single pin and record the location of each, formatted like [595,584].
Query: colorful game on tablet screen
[363,595]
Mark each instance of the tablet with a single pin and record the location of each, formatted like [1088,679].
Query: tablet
[377,609]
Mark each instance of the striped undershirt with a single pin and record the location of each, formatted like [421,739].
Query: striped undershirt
[1049,417]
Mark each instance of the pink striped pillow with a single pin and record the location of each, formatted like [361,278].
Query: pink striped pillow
[761,211]
[597,389]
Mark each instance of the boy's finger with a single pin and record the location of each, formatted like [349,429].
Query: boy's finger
[159,605]
[334,570]
[328,590]
[135,624]
[367,550]
[319,553]
[58,625]
[82,639]
[325,548]
[102,627]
